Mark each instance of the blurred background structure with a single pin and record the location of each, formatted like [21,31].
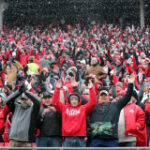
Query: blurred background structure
[35,12]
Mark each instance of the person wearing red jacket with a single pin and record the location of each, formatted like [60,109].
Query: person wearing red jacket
[74,115]
[131,126]
[147,71]
[4,111]
[147,106]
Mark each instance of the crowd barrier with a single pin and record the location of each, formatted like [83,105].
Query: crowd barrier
[74,148]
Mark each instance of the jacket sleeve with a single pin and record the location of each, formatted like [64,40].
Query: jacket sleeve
[11,100]
[126,98]
[4,112]
[147,107]
[7,55]
[92,102]
[141,93]
[147,71]
[114,93]
[36,102]
[140,121]
[56,100]
[39,119]
[35,99]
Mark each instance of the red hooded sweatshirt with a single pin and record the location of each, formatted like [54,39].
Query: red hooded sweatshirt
[74,118]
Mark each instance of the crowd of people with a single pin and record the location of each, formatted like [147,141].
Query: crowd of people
[75,86]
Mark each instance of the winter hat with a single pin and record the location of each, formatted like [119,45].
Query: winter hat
[94,59]
[23,96]
[119,84]
[141,66]
[74,95]
[30,58]
[104,89]
[146,84]
[47,94]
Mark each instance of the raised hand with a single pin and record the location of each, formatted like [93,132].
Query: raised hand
[73,81]
[45,111]
[59,83]
[90,84]
[131,79]
[51,108]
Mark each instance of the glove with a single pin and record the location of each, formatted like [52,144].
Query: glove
[22,88]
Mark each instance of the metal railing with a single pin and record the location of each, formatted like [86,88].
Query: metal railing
[74,148]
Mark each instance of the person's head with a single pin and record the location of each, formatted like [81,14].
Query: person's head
[126,77]
[22,52]
[147,87]
[118,62]
[66,54]
[74,99]
[25,101]
[47,98]
[94,61]
[30,60]
[141,68]
[33,80]
[82,63]
[103,95]
[120,94]
[55,68]
[119,86]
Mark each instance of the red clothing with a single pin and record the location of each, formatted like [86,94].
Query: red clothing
[69,86]
[147,71]
[135,123]
[1,80]
[74,118]
[7,128]
[147,107]
[3,113]
[23,59]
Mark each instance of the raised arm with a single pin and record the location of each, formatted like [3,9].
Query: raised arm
[11,100]
[33,97]
[56,97]
[121,103]
[93,99]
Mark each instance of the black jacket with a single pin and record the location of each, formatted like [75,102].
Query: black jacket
[104,118]
[50,124]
